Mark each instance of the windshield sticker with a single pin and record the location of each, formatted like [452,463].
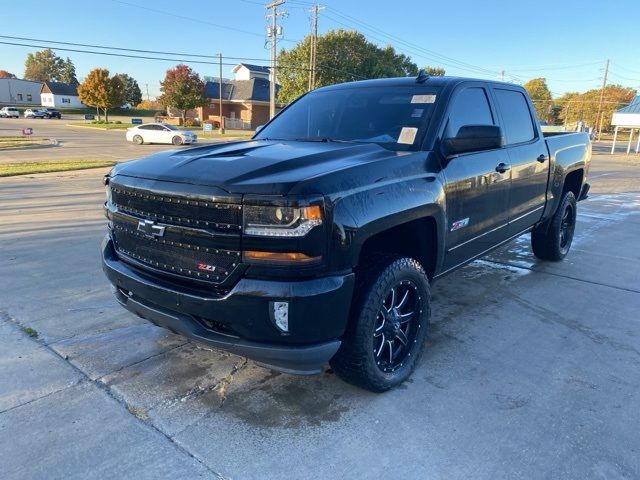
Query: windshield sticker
[417,112]
[407,135]
[423,99]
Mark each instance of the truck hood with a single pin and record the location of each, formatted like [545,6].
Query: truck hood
[265,167]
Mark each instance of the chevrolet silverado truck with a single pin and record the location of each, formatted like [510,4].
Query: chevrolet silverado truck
[317,240]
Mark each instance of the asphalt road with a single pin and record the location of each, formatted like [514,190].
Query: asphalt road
[531,369]
[76,142]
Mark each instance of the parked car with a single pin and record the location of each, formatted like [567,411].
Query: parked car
[30,113]
[318,240]
[51,113]
[159,133]
[9,112]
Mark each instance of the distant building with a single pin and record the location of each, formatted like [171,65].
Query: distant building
[60,95]
[15,91]
[627,118]
[245,99]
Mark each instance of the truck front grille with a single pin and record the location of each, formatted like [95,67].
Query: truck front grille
[191,212]
[200,239]
[184,259]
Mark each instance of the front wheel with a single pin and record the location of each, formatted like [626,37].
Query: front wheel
[177,140]
[552,240]
[390,318]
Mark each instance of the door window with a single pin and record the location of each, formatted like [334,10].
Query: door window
[518,125]
[470,107]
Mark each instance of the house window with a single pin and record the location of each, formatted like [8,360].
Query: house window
[29,97]
[20,96]
[66,100]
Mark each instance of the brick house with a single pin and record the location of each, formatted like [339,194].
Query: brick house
[245,99]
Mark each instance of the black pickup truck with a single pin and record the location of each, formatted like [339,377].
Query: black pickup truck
[317,240]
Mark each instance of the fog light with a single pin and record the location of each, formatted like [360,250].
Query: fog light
[281,315]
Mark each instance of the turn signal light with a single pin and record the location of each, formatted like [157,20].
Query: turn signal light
[278,258]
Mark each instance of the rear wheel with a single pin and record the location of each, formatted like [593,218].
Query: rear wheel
[138,140]
[177,140]
[390,317]
[552,240]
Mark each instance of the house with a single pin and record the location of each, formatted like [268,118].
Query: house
[245,99]
[15,91]
[60,95]
[627,118]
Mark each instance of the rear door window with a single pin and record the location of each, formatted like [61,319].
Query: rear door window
[518,124]
[470,107]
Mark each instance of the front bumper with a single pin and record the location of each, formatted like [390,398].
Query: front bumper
[318,312]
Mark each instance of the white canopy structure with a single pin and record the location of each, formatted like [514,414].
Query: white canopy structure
[627,118]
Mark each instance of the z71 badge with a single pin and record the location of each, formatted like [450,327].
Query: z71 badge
[457,225]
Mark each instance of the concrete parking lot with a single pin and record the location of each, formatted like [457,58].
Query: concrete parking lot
[531,369]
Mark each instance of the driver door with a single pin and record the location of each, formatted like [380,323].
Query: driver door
[476,183]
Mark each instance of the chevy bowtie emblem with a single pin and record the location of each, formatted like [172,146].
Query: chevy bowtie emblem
[150,228]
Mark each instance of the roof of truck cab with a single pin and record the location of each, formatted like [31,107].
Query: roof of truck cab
[435,81]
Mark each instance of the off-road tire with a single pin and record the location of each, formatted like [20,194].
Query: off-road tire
[355,362]
[552,240]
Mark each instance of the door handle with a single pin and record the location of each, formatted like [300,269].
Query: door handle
[542,158]
[502,167]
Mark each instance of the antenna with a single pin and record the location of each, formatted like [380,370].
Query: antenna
[422,76]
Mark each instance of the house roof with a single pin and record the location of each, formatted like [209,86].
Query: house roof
[58,88]
[251,67]
[633,107]
[256,89]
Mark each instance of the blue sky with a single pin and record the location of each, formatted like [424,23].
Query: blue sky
[566,41]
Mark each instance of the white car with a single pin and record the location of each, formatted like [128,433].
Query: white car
[9,112]
[159,133]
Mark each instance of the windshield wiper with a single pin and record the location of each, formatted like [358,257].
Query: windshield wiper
[320,139]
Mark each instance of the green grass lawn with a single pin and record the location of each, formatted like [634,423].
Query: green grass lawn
[11,169]
[7,143]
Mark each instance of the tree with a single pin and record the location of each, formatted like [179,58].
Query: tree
[43,66]
[5,74]
[149,105]
[434,71]
[69,73]
[101,91]
[541,98]
[342,56]
[183,89]
[132,93]
[584,107]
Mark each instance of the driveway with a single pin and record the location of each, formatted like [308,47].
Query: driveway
[531,369]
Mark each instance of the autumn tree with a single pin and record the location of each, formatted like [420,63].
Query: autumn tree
[5,74]
[149,105]
[101,91]
[584,106]
[541,97]
[69,73]
[342,56]
[132,93]
[43,66]
[183,89]
[434,71]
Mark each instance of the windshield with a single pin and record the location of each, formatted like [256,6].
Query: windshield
[394,117]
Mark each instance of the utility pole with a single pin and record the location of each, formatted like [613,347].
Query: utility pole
[314,45]
[273,31]
[599,118]
[220,95]
[147,87]
[502,75]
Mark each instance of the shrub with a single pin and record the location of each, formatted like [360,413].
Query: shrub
[118,122]
[191,122]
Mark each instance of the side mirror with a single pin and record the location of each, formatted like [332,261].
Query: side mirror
[474,138]
[259,127]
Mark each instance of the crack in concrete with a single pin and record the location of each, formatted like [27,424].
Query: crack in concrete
[105,388]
